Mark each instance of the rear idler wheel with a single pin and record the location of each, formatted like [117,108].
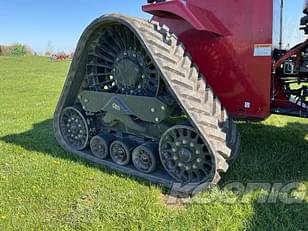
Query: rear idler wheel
[120,151]
[185,156]
[100,146]
[144,157]
[74,128]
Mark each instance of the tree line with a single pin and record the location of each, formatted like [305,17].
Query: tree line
[16,50]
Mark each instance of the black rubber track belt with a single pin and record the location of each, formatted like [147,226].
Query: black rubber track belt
[188,86]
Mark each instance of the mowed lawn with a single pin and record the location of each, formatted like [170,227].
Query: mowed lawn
[44,188]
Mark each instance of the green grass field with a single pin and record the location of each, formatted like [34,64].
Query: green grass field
[44,188]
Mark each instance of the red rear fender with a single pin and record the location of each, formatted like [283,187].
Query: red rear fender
[200,19]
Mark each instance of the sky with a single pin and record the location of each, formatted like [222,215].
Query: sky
[58,24]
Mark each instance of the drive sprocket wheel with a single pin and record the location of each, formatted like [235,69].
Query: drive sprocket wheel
[117,63]
[74,128]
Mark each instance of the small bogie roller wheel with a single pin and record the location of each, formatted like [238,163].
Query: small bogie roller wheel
[144,157]
[74,128]
[120,152]
[100,146]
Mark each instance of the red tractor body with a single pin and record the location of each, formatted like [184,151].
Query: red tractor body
[156,99]
[232,42]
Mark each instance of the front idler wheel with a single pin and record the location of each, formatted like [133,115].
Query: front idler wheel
[185,156]
[145,157]
[74,128]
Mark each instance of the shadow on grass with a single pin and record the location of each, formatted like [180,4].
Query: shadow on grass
[269,154]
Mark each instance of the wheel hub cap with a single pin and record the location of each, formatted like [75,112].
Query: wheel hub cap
[127,73]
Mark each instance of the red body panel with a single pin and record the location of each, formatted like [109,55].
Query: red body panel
[221,36]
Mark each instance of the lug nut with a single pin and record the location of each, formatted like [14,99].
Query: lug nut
[194,166]
[157,119]
[174,158]
[143,76]
[180,165]
[163,108]
[197,152]
[192,145]
[174,150]
[184,142]
[199,160]
[177,143]
[79,96]
[86,100]
[187,168]
[152,109]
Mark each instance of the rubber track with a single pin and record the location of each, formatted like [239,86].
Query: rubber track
[188,86]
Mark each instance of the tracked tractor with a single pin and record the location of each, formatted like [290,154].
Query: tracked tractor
[157,99]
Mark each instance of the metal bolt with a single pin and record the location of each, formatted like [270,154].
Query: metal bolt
[84,108]
[174,150]
[163,108]
[174,158]
[199,160]
[69,120]
[76,137]
[72,136]
[134,55]
[117,59]
[69,131]
[153,109]
[131,91]
[76,120]
[187,168]
[79,125]
[197,152]
[143,76]
[194,166]
[180,165]
[139,86]
[177,143]
[80,131]
[184,141]
[157,119]
[125,53]
[192,144]
[86,100]
[68,125]
[123,89]
[79,96]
